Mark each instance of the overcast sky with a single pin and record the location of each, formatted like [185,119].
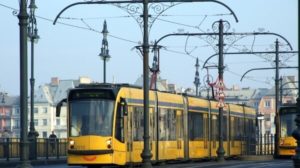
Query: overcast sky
[70,48]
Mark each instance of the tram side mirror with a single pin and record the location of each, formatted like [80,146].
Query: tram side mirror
[58,106]
[123,106]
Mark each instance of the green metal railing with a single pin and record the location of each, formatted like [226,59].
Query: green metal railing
[55,148]
[263,144]
[45,148]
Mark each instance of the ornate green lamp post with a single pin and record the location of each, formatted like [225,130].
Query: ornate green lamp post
[33,37]
[104,50]
[296,133]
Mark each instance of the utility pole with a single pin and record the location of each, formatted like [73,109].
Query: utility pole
[23,18]
[277,117]
[146,154]
[220,150]
[33,36]
[296,132]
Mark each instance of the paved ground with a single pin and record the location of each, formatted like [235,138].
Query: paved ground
[270,163]
[235,164]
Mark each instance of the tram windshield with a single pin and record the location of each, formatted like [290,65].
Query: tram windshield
[288,125]
[91,117]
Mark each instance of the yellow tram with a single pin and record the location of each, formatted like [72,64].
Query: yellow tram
[287,144]
[105,126]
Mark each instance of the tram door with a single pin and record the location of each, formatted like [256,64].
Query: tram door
[179,133]
[129,134]
[214,135]
[136,143]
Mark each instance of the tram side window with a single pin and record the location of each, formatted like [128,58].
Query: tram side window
[119,128]
[232,127]
[172,124]
[288,125]
[195,126]
[238,123]
[241,128]
[251,128]
[214,127]
[138,123]
[235,130]
[167,124]
[246,132]
[179,122]
[232,130]
[118,124]
[162,124]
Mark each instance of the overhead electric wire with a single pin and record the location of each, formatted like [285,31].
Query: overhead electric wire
[181,24]
[129,16]
[123,39]
[196,15]
[95,18]
[248,78]
[75,26]
[182,53]
[8,7]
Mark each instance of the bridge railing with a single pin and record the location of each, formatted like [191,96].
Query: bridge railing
[54,149]
[45,148]
[263,144]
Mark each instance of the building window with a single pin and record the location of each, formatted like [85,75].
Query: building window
[57,121]
[17,110]
[36,110]
[267,103]
[45,110]
[35,122]
[16,124]
[44,134]
[44,121]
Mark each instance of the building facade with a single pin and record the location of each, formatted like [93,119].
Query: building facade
[45,99]
[267,106]
[9,115]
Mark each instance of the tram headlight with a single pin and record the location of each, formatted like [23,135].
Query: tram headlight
[71,143]
[108,143]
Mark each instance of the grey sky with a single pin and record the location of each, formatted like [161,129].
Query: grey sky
[68,52]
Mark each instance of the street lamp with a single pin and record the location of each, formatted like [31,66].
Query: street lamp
[155,67]
[104,50]
[260,118]
[32,34]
